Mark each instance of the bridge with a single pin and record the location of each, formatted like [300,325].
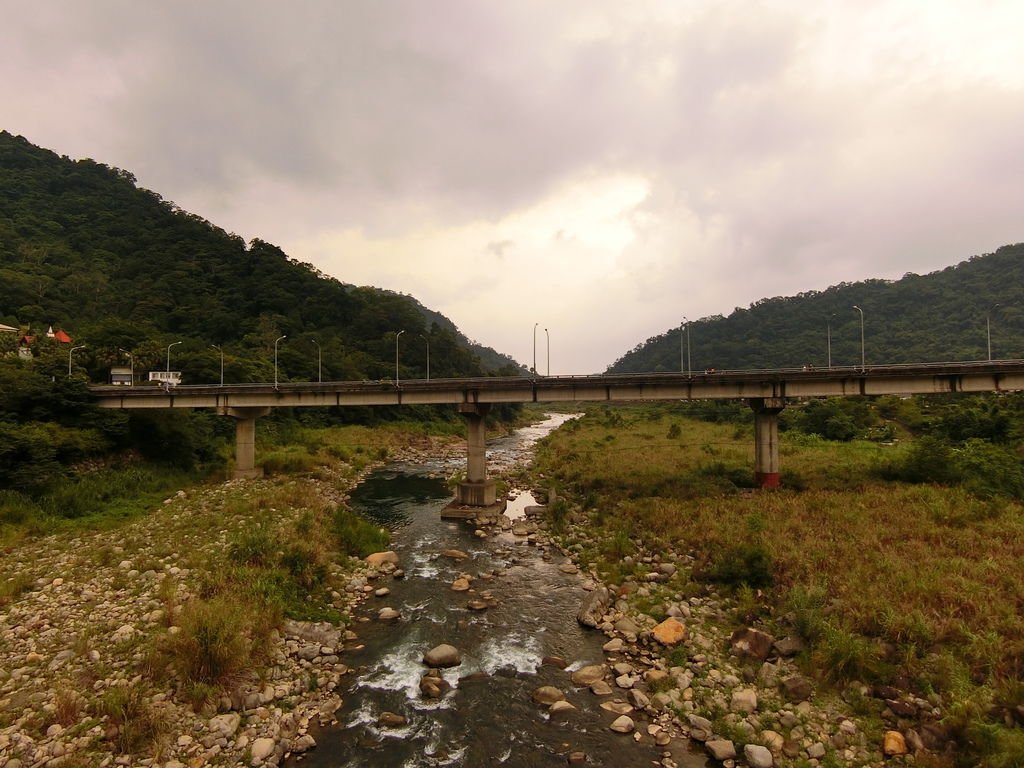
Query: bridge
[766,391]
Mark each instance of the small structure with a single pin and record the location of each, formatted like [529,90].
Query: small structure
[7,329]
[121,375]
[170,378]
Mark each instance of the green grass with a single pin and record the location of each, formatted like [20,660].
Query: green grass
[882,577]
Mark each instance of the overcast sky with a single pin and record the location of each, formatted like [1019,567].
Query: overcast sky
[601,168]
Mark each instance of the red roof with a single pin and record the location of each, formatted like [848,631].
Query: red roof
[62,337]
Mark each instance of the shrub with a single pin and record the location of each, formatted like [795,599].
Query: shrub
[928,460]
[304,562]
[214,643]
[135,725]
[254,546]
[749,563]
[357,536]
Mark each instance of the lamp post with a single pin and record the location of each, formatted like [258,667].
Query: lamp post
[548,336]
[278,339]
[988,329]
[319,359]
[684,337]
[131,363]
[172,344]
[862,366]
[534,369]
[828,338]
[428,354]
[397,337]
[81,346]
[221,350]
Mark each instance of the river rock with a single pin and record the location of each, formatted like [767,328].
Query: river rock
[561,709]
[594,606]
[744,701]
[434,686]
[454,554]
[460,585]
[623,724]
[379,558]
[476,605]
[894,744]
[614,645]
[670,632]
[388,614]
[616,707]
[700,728]
[752,642]
[548,695]
[443,655]
[261,749]
[588,675]
[382,592]
[721,749]
[390,720]
[601,688]
[797,688]
[225,725]
[758,756]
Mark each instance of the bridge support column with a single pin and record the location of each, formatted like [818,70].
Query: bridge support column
[766,439]
[245,439]
[477,490]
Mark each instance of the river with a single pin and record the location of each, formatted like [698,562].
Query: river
[489,717]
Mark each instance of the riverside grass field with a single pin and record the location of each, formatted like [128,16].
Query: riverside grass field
[893,583]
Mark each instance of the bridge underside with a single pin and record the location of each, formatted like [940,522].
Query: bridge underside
[765,391]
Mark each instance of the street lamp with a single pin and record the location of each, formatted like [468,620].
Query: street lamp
[319,358]
[549,350]
[534,369]
[82,346]
[172,344]
[131,363]
[278,339]
[428,354]
[862,366]
[397,337]
[988,329]
[684,326]
[221,350]
[828,337]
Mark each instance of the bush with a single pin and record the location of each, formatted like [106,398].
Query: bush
[254,546]
[357,536]
[928,460]
[747,564]
[135,725]
[215,643]
[304,563]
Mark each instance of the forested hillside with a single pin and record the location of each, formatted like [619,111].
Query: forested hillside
[941,316]
[83,248]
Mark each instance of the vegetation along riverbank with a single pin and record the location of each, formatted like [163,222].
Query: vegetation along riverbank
[873,604]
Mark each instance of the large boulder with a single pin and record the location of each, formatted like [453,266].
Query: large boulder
[443,655]
[588,675]
[758,756]
[594,606]
[379,558]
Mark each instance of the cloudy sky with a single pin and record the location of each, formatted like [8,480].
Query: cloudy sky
[601,168]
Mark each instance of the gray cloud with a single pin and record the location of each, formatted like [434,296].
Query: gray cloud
[783,149]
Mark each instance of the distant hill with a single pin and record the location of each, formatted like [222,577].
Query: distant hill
[941,316]
[83,248]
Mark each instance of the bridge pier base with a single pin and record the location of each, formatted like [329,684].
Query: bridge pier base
[245,439]
[476,490]
[766,439]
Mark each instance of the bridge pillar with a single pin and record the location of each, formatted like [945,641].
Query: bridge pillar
[477,490]
[766,439]
[245,439]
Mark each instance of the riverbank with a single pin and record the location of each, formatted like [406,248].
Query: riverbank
[99,629]
[838,624]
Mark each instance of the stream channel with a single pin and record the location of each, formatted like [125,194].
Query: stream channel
[489,717]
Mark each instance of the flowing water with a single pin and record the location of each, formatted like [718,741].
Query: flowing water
[488,718]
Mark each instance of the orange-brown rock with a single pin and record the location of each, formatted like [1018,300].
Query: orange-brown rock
[670,632]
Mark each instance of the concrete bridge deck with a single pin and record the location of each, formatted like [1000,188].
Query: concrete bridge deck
[765,390]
